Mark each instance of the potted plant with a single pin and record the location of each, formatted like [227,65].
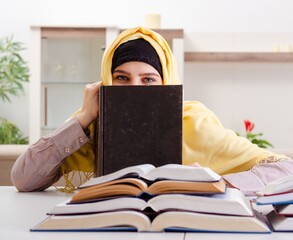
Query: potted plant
[14,72]
[255,137]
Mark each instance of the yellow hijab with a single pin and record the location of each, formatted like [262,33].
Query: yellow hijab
[205,140]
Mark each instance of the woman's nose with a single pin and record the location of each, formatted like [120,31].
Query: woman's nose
[136,81]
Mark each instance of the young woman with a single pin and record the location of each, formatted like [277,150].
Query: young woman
[140,56]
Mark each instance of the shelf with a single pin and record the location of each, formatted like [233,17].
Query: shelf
[46,128]
[72,32]
[66,83]
[238,57]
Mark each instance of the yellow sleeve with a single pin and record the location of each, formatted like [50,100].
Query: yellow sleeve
[207,142]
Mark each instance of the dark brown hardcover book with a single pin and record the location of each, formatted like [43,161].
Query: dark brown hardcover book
[137,125]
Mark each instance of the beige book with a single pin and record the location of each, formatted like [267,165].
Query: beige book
[137,221]
[232,202]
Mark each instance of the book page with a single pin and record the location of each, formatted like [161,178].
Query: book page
[95,221]
[179,186]
[233,202]
[280,222]
[123,186]
[181,172]
[282,185]
[134,171]
[284,198]
[208,222]
[284,209]
[111,204]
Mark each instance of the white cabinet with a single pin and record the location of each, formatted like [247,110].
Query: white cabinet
[67,64]
[62,61]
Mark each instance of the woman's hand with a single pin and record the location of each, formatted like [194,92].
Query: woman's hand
[90,107]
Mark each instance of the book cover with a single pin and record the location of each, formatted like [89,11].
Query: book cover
[138,124]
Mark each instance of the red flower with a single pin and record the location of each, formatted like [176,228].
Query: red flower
[249,126]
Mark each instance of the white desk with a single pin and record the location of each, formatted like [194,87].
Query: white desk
[20,211]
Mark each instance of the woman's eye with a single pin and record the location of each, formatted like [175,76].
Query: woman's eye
[149,80]
[121,78]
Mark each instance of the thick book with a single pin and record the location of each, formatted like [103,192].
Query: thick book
[138,188]
[137,221]
[146,181]
[282,185]
[232,202]
[151,173]
[137,125]
[284,209]
[276,199]
[280,223]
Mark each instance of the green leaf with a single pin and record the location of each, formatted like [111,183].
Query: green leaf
[14,71]
[10,133]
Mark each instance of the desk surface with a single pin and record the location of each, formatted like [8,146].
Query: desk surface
[20,211]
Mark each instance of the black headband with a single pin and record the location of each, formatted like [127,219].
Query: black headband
[138,50]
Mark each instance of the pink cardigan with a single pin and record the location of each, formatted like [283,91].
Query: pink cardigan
[39,167]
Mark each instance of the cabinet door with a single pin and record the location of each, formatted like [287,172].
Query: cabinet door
[67,65]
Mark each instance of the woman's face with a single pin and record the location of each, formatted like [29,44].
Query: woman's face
[136,73]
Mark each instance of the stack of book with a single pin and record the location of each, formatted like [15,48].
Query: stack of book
[279,194]
[148,199]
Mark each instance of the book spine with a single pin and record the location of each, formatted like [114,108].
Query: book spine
[99,167]
[96,151]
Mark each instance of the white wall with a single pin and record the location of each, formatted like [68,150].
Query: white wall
[260,92]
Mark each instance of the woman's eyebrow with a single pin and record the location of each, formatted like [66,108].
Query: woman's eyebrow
[149,74]
[121,71]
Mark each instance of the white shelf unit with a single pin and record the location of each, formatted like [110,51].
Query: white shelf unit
[245,57]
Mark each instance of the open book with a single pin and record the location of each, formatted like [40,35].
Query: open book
[277,199]
[282,185]
[137,221]
[280,223]
[284,209]
[233,202]
[138,188]
[151,173]
[149,181]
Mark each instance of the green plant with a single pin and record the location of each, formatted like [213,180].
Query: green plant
[10,134]
[13,69]
[13,73]
[255,137]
